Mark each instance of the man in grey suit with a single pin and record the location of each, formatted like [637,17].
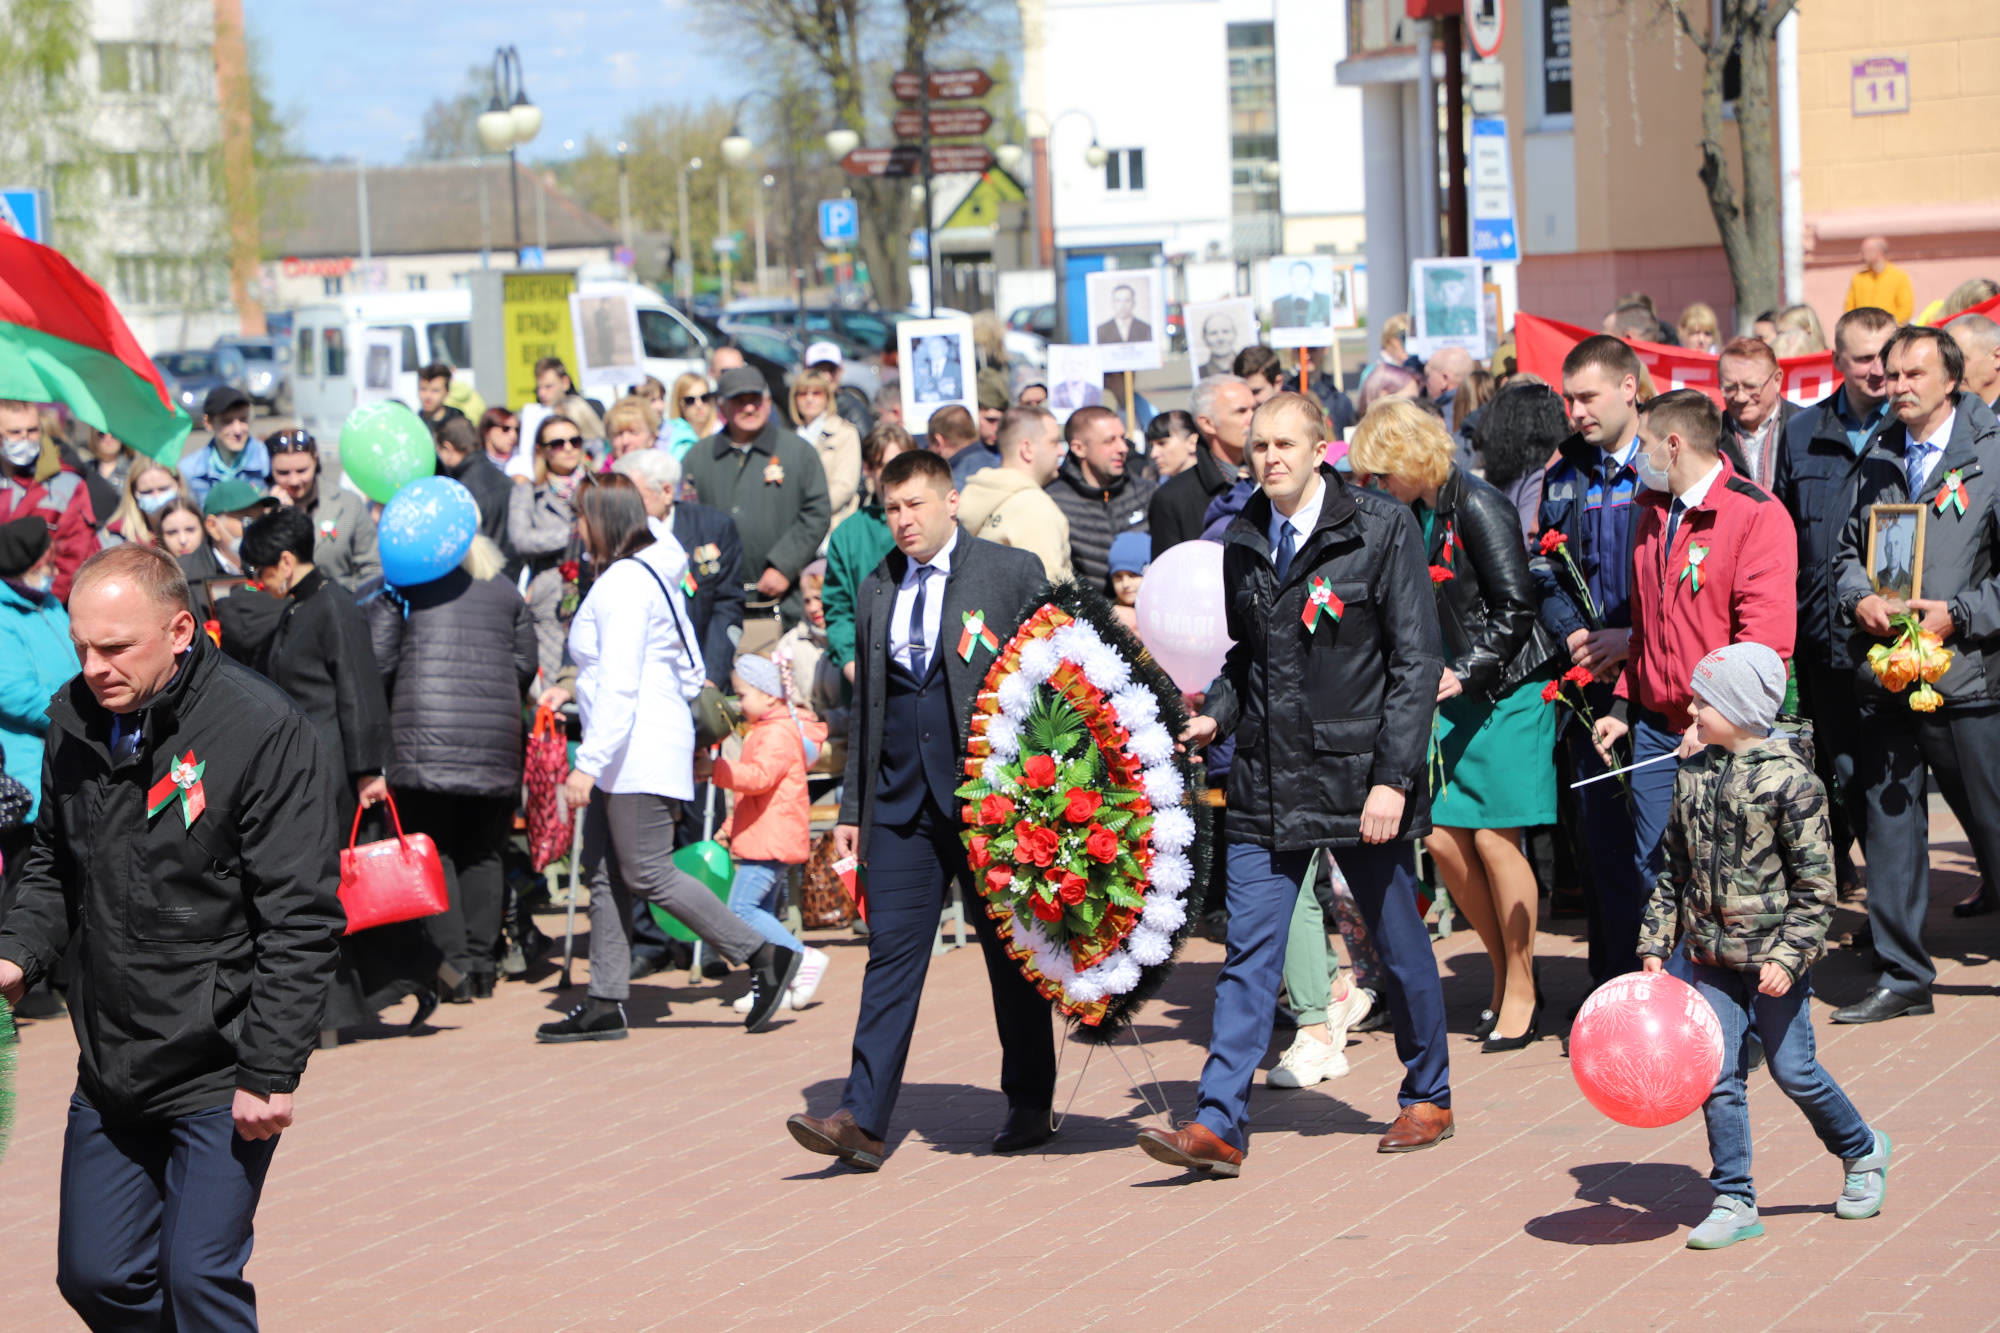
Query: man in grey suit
[918,667]
[1124,326]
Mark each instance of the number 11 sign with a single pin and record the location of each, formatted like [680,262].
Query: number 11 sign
[1880,85]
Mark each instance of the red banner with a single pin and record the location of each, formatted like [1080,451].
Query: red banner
[1541,344]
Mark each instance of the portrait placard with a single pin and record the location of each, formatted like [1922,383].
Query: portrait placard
[1216,332]
[938,368]
[1127,313]
[1896,551]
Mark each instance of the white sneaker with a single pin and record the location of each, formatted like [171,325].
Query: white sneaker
[1308,1061]
[806,984]
[1343,1014]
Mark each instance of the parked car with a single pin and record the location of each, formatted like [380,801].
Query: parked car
[1039,320]
[191,374]
[266,375]
[786,348]
[872,330]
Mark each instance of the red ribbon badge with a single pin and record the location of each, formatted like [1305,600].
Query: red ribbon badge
[183,779]
[1320,600]
[1952,493]
[975,633]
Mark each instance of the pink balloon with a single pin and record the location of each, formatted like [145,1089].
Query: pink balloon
[1646,1049]
[1181,619]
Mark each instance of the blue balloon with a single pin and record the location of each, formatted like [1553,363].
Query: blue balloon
[426,529]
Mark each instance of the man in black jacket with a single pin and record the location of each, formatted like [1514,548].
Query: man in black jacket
[184,859]
[912,697]
[1330,690]
[1221,406]
[1099,495]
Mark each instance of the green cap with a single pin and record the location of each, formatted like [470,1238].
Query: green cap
[232,497]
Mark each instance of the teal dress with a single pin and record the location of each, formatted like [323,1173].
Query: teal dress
[1492,763]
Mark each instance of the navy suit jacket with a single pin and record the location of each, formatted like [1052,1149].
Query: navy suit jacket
[717,605]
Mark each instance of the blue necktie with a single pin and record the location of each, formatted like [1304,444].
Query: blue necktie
[916,649]
[1917,466]
[1288,546]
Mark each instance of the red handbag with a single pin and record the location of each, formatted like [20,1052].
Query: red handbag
[397,879]
[550,821]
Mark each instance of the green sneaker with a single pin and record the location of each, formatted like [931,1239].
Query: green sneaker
[1732,1219]
[1867,1183]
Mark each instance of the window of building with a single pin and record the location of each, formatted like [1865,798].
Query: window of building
[335,344]
[1125,169]
[1253,138]
[417,281]
[128,67]
[126,178]
[331,286]
[133,280]
[305,362]
[1549,101]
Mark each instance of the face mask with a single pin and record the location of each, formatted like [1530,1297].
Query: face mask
[158,500]
[1651,475]
[23,453]
[42,582]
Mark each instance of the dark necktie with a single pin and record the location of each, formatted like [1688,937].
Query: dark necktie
[1288,546]
[1673,526]
[916,650]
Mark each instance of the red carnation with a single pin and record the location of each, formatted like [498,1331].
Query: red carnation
[1439,574]
[976,854]
[1550,691]
[1038,770]
[1071,889]
[1083,805]
[1553,541]
[995,809]
[1045,910]
[999,878]
[1578,675]
[1101,844]
[1140,808]
[1034,845]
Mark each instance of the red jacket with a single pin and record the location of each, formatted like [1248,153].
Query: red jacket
[1741,545]
[63,502]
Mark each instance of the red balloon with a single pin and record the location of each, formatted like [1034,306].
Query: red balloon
[1646,1049]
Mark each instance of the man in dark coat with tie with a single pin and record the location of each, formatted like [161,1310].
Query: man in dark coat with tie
[898,812]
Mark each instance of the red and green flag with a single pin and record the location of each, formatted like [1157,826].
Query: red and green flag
[62,340]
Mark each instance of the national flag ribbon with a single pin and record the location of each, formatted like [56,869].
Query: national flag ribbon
[1691,571]
[183,779]
[688,585]
[974,634]
[1952,492]
[1450,541]
[1320,599]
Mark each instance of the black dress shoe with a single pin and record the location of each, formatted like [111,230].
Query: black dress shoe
[1026,1127]
[1484,1027]
[1977,907]
[1497,1045]
[1883,1003]
[427,1003]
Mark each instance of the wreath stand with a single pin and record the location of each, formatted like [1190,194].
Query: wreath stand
[1091,1048]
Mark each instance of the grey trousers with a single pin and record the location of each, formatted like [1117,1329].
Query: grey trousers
[628,841]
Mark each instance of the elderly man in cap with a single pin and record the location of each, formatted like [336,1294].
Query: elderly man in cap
[232,452]
[770,483]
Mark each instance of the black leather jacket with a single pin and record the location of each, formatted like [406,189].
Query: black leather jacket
[1487,608]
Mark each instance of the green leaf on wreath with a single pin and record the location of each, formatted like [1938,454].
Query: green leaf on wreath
[1090,912]
[1119,894]
[974,790]
[1114,819]
[1053,727]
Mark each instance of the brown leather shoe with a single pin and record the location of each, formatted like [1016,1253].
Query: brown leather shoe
[1193,1148]
[1419,1126]
[837,1136]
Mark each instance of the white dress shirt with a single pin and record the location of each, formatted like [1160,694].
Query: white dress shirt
[638,662]
[1692,497]
[1304,521]
[906,598]
[1935,442]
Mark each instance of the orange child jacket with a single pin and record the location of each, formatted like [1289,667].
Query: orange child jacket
[772,818]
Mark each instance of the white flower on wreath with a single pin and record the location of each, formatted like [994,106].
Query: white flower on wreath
[1172,872]
[1150,744]
[1164,912]
[1150,947]
[1163,785]
[1039,660]
[994,770]
[1173,830]
[1135,707]
[1003,733]
[1104,668]
[1017,696]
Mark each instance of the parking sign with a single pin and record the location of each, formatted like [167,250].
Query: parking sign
[839,223]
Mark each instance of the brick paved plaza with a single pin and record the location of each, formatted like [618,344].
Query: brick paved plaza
[467,1179]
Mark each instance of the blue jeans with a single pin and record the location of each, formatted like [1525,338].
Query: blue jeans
[752,896]
[1784,1024]
[1263,890]
[156,1221]
[1652,797]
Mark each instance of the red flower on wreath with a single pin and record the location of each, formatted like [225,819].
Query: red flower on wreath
[1083,805]
[1038,771]
[976,854]
[995,809]
[1045,910]
[999,878]
[1034,845]
[1553,541]
[1101,844]
[1071,889]
[1140,808]
[1578,675]
[1439,574]
[1550,691]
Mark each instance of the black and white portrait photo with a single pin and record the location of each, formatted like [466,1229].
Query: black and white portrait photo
[1896,550]
[1075,379]
[1217,331]
[1126,311]
[1310,297]
[937,366]
[1449,302]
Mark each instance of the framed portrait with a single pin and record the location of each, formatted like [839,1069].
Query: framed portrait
[1448,303]
[1896,551]
[1076,379]
[938,368]
[1345,315]
[607,338]
[1301,291]
[1217,331]
[1496,322]
[1126,309]
[381,364]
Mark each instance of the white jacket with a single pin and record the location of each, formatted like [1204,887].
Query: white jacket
[635,674]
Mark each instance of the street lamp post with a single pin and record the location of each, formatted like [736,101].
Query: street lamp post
[1008,155]
[683,259]
[510,120]
[763,254]
[624,199]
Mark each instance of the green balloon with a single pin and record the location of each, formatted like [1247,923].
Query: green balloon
[384,447]
[705,861]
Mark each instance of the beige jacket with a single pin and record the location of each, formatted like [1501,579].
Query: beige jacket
[838,445]
[1005,506]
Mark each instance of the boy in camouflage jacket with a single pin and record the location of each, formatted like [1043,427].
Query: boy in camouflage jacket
[1748,885]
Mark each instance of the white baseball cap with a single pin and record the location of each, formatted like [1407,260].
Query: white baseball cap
[823,353]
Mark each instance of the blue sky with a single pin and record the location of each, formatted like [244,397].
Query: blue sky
[357,74]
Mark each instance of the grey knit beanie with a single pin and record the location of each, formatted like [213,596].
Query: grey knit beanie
[760,673]
[1744,682]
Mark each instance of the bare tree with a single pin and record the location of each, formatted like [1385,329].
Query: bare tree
[1742,31]
[451,124]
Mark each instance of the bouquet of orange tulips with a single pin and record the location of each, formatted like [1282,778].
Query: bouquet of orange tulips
[1915,654]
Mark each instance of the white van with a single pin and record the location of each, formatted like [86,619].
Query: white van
[436,326]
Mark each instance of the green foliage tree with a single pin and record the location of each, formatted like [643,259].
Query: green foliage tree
[450,127]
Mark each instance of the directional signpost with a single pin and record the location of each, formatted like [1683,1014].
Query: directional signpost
[947,122]
[908,160]
[947,85]
[1494,237]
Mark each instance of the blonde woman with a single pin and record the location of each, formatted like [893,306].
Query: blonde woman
[1801,319]
[148,489]
[690,415]
[1493,731]
[836,442]
[630,425]
[1699,329]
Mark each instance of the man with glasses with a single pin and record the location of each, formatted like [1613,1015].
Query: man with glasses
[232,452]
[1754,408]
[343,532]
[771,484]
[34,481]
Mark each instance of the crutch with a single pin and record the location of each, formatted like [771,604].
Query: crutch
[569,914]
